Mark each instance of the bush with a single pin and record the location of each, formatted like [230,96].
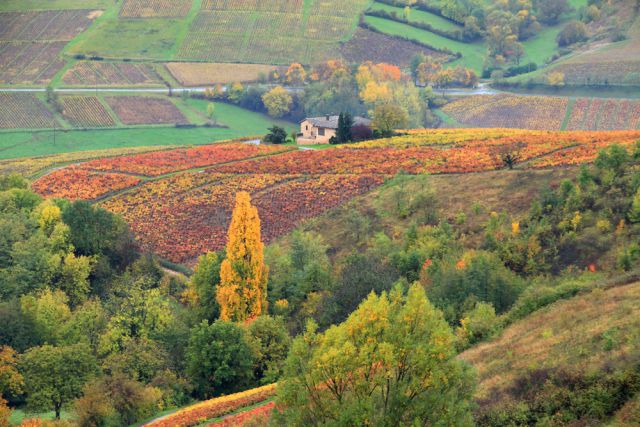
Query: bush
[563,397]
[476,277]
[479,324]
[276,135]
[573,32]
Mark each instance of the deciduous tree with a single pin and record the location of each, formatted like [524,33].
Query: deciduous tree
[242,293]
[219,358]
[296,74]
[54,376]
[387,117]
[277,101]
[392,362]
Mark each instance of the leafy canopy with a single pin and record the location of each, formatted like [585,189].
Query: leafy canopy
[390,363]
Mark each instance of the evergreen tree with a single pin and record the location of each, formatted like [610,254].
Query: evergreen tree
[345,123]
[242,294]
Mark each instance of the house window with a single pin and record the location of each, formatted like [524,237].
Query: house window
[306,127]
[321,131]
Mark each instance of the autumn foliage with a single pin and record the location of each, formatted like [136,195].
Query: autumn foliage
[242,293]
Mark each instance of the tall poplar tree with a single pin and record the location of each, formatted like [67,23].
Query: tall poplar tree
[242,293]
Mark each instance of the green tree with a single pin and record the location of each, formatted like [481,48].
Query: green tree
[54,376]
[140,359]
[74,278]
[14,180]
[87,324]
[392,362]
[634,212]
[276,135]
[345,123]
[388,117]
[116,401]
[477,276]
[47,312]
[219,358]
[549,11]
[95,231]
[478,324]
[141,314]
[270,343]
[205,281]
[211,111]
[573,32]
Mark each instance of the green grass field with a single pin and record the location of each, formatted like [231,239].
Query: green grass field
[111,37]
[472,53]
[240,123]
[19,415]
[419,16]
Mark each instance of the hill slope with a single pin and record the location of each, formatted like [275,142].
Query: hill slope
[577,353]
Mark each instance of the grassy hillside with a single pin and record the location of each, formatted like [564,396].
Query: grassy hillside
[538,49]
[574,352]
[471,196]
[601,63]
[472,53]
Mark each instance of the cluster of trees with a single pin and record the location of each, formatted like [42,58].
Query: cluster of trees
[428,71]
[333,87]
[91,326]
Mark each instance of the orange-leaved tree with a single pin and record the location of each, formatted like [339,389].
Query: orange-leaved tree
[242,293]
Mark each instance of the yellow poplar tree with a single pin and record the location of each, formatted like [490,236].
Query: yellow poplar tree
[242,293]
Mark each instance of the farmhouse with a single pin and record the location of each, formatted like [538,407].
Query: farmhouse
[319,130]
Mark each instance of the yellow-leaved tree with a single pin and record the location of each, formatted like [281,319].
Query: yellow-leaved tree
[242,293]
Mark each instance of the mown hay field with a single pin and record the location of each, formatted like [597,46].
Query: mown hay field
[198,73]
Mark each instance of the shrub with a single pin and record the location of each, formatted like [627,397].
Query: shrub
[573,32]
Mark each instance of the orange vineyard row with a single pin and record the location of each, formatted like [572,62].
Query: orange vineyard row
[214,408]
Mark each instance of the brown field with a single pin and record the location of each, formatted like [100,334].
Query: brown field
[455,193]
[139,110]
[387,49]
[291,6]
[52,25]
[199,74]
[507,111]
[155,8]
[29,63]
[99,73]
[22,111]
[31,42]
[86,111]
[545,113]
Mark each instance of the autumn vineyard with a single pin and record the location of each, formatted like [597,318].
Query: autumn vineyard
[178,201]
